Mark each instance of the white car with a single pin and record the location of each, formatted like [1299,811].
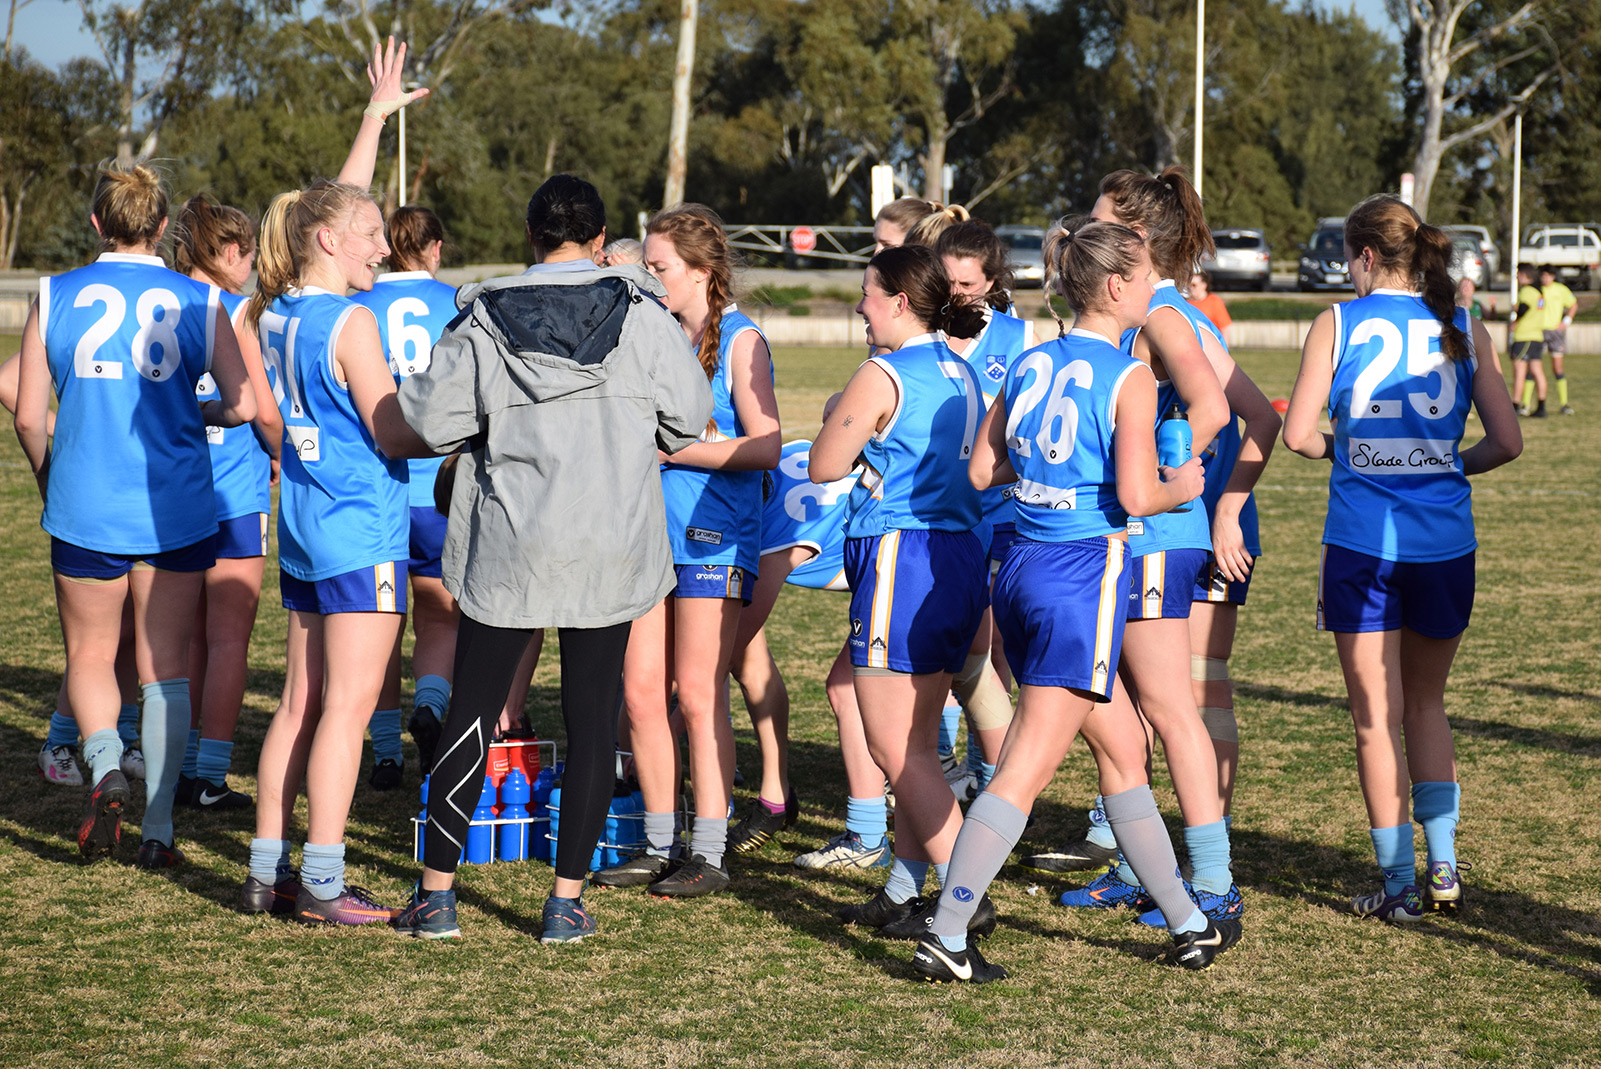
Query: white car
[1028,261]
[1574,251]
[1242,257]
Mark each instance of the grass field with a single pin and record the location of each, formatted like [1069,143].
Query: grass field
[105,965]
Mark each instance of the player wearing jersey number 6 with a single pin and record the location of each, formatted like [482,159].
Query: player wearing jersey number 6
[1398,369]
[127,485]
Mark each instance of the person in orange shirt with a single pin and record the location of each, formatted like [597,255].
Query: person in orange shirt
[1202,297]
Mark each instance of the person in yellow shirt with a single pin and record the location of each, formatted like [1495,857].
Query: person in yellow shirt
[1559,308]
[1528,344]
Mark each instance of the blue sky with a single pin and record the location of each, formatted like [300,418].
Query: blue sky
[52,30]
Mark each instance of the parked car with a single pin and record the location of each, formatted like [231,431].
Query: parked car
[1323,265]
[1242,258]
[1487,249]
[1575,251]
[1467,261]
[1028,263]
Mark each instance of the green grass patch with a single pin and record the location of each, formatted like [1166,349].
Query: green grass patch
[109,966]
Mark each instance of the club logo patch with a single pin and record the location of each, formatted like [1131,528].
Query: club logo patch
[995,367]
[961,894]
[856,628]
[701,534]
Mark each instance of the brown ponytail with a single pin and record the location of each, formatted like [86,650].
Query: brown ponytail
[204,230]
[1403,243]
[411,231]
[915,271]
[1080,254]
[698,237]
[1169,210]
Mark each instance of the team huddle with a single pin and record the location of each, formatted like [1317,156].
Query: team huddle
[594,446]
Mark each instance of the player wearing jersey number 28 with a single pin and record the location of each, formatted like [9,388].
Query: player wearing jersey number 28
[1398,369]
[127,485]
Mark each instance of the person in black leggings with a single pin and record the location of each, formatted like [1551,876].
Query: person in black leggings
[561,388]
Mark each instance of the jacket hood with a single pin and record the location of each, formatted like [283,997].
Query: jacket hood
[557,329]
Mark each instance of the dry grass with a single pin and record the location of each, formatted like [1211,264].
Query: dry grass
[105,965]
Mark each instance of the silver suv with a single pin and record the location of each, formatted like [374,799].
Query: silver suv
[1028,262]
[1481,237]
[1242,258]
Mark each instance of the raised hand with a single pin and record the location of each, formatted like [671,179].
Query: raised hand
[386,71]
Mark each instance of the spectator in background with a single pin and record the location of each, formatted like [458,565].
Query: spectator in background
[1210,304]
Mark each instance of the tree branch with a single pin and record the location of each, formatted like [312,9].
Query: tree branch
[1485,74]
[1489,33]
[1450,141]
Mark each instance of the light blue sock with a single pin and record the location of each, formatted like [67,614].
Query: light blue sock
[269,859]
[191,753]
[1437,805]
[128,725]
[322,871]
[868,818]
[1228,822]
[905,880]
[1196,922]
[63,731]
[1100,832]
[942,873]
[1125,872]
[1208,847]
[385,729]
[975,755]
[1397,858]
[954,943]
[986,772]
[211,763]
[434,693]
[950,722]
[163,731]
[102,751]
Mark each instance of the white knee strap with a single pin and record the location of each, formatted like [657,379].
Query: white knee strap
[983,699]
[1208,669]
[1220,724]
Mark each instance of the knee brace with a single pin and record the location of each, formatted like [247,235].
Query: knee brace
[983,699]
[1220,724]
[1208,669]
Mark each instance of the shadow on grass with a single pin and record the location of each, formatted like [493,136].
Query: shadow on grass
[1539,690]
[1305,699]
[1558,741]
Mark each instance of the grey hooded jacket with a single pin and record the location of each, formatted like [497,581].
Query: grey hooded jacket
[562,384]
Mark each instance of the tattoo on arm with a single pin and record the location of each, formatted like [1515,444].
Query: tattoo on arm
[847,421]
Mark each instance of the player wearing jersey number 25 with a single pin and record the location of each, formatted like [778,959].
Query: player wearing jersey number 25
[1398,369]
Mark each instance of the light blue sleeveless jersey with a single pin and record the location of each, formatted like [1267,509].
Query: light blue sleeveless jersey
[1171,530]
[916,475]
[413,310]
[800,512]
[1220,455]
[341,503]
[715,517]
[241,470]
[990,355]
[1399,407]
[1061,406]
[127,340]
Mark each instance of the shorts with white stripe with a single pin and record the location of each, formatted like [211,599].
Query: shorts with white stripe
[1163,585]
[1059,607]
[380,588]
[916,599]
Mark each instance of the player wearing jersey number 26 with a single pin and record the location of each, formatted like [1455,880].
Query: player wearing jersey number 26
[1398,369]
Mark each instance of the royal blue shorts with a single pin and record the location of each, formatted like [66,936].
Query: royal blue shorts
[714,581]
[1213,586]
[427,541]
[1358,592]
[899,620]
[242,537]
[77,562]
[1164,584]
[1002,535]
[1060,609]
[380,588]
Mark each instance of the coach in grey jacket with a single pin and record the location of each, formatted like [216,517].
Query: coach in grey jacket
[562,383]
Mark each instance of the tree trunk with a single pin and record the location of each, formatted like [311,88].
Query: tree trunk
[125,104]
[1434,67]
[678,133]
[939,138]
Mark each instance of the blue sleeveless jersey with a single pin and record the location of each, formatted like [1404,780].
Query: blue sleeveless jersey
[1171,530]
[127,340]
[1399,407]
[341,503]
[916,474]
[802,513]
[991,353]
[715,517]
[1217,461]
[413,310]
[1061,406]
[241,470]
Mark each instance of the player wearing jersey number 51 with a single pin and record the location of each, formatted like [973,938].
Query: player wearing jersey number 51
[916,569]
[342,522]
[127,484]
[1398,369]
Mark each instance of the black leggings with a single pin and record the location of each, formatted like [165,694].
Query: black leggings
[591,680]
